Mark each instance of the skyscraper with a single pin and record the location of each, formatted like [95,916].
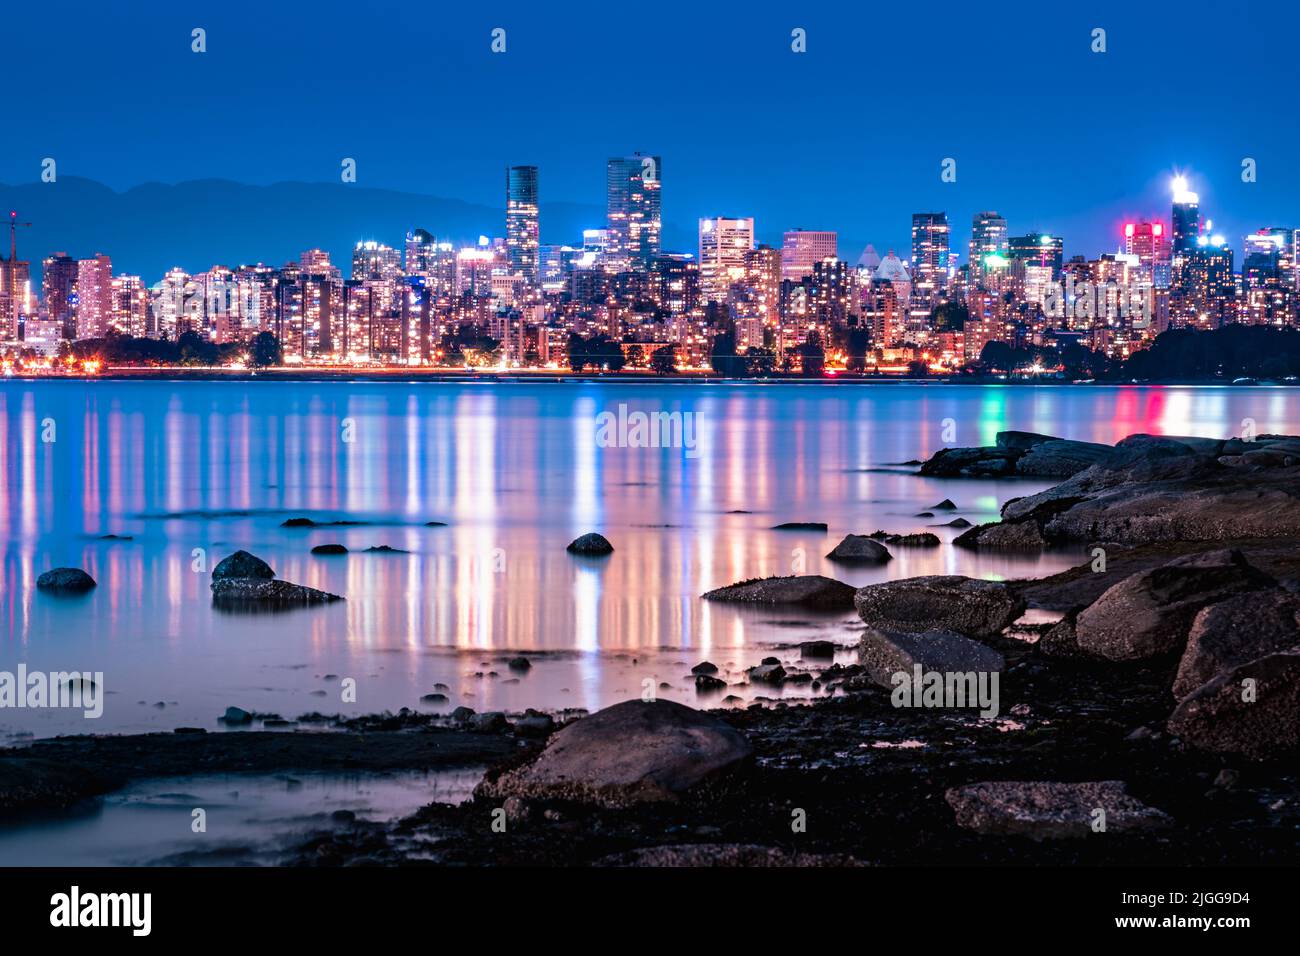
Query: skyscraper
[59,290]
[930,250]
[988,237]
[522,227]
[632,212]
[724,246]
[802,249]
[94,310]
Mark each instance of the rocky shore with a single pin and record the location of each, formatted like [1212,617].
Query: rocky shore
[1149,710]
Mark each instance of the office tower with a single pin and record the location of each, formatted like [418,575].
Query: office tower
[420,246]
[15,295]
[94,310]
[724,244]
[988,237]
[59,290]
[930,251]
[835,294]
[802,249]
[633,186]
[764,267]
[1149,242]
[130,306]
[1036,249]
[316,262]
[1186,219]
[522,229]
[374,260]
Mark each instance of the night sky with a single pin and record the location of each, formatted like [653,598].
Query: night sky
[847,136]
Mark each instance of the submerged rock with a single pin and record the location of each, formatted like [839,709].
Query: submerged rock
[859,549]
[922,539]
[630,753]
[1003,535]
[590,543]
[67,580]
[1253,709]
[819,649]
[241,564]
[967,606]
[886,653]
[806,590]
[709,682]
[1149,613]
[1043,810]
[801,526]
[254,594]
[1235,632]
[329,549]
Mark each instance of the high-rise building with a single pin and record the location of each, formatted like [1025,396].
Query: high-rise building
[94,311]
[930,252]
[1149,242]
[633,220]
[130,306]
[374,260]
[15,295]
[802,249]
[724,245]
[522,228]
[1036,249]
[988,237]
[59,290]
[1186,219]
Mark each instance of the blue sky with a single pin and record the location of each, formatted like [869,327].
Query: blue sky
[847,136]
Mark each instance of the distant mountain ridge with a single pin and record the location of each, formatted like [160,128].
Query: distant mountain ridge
[150,228]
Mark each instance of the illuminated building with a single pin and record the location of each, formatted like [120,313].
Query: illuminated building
[988,238]
[1149,241]
[802,249]
[724,244]
[130,306]
[930,254]
[15,295]
[94,310]
[633,185]
[522,227]
[374,260]
[59,290]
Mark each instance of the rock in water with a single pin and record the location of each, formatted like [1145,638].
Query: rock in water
[634,752]
[1060,458]
[806,590]
[886,653]
[1149,613]
[1235,632]
[241,564]
[1003,535]
[967,606]
[1253,709]
[825,649]
[329,549]
[801,526]
[68,580]
[260,594]
[860,549]
[590,543]
[1045,810]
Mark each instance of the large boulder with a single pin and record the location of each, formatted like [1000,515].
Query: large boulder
[1043,810]
[241,564]
[1003,536]
[65,580]
[859,549]
[806,590]
[631,753]
[966,606]
[886,653]
[1235,632]
[1253,709]
[261,594]
[1149,613]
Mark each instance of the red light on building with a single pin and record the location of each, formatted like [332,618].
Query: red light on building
[1128,231]
[1158,229]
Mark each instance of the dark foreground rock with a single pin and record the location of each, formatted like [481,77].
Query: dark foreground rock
[1236,631]
[1016,453]
[805,590]
[1253,709]
[886,653]
[967,606]
[859,549]
[258,594]
[1043,810]
[65,580]
[724,855]
[634,752]
[590,544]
[1149,613]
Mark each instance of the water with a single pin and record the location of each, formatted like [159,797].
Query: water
[249,820]
[515,472]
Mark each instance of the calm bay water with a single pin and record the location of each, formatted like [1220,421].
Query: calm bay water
[516,472]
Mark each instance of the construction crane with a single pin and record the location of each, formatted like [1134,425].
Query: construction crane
[13,234]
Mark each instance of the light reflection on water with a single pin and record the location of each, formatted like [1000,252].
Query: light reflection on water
[515,472]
